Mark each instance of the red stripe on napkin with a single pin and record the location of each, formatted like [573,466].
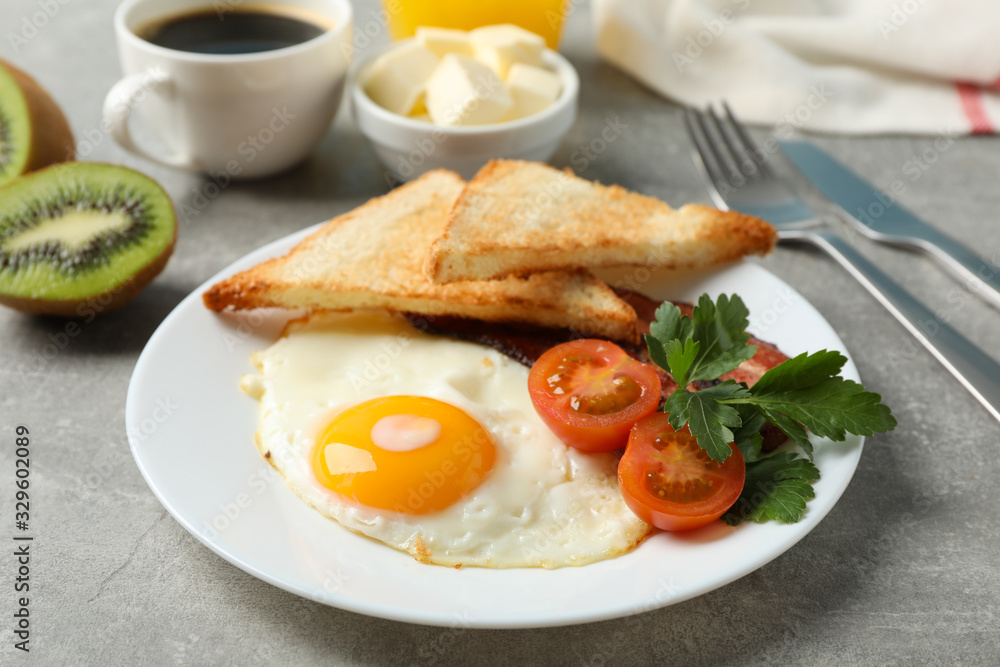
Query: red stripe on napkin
[969,96]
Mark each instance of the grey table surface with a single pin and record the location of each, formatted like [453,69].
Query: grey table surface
[902,571]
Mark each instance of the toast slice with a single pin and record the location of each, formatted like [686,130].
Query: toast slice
[516,218]
[373,256]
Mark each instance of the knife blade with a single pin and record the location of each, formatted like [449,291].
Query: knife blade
[879,216]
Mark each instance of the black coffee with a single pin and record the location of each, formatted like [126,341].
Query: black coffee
[233,32]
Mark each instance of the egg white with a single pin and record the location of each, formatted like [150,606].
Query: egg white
[543,505]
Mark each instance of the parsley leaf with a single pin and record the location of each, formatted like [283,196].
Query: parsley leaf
[704,346]
[748,437]
[720,329]
[676,355]
[707,417]
[669,323]
[807,390]
[777,487]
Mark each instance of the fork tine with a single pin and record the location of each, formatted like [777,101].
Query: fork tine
[749,145]
[742,166]
[711,118]
[706,147]
[705,156]
[736,172]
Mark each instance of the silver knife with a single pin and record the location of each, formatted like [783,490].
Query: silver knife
[879,216]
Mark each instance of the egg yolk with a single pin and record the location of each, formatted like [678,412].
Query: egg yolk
[407,454]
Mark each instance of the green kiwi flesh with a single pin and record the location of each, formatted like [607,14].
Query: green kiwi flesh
[79,232]
[15,128]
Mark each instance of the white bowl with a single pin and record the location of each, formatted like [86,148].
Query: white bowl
[408,147]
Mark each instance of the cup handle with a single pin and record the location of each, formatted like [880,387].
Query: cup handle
[118,105]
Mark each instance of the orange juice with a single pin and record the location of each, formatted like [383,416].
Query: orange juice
[543,17]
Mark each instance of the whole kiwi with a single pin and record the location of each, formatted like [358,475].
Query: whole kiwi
[82,238]
[33,130]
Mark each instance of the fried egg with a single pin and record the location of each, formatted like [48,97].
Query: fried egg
[431,446]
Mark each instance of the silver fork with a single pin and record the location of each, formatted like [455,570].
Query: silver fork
[739,177]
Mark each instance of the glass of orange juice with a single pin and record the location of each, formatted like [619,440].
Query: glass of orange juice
[542,17]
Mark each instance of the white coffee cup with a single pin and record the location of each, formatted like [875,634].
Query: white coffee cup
[248,115]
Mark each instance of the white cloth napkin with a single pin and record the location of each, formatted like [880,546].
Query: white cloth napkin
[847,66]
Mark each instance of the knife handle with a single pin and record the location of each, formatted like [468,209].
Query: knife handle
[978,372]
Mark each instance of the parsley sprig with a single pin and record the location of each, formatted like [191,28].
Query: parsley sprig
[803,393]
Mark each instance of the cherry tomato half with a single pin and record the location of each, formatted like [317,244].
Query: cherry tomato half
[590,393]
[671,482]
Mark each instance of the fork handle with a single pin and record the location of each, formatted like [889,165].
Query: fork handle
[978,273]
[974,271]
[977,371]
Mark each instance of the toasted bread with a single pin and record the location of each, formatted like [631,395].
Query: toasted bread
[372,257]
[516,218]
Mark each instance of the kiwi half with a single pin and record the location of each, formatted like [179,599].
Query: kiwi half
[82,237]
[33,130]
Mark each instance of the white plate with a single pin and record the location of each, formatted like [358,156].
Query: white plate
[191,432]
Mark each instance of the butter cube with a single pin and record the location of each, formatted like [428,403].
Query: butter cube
[396,80]
[500,46]
[441,41]
[464,91]
[532,89]
[419,111]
